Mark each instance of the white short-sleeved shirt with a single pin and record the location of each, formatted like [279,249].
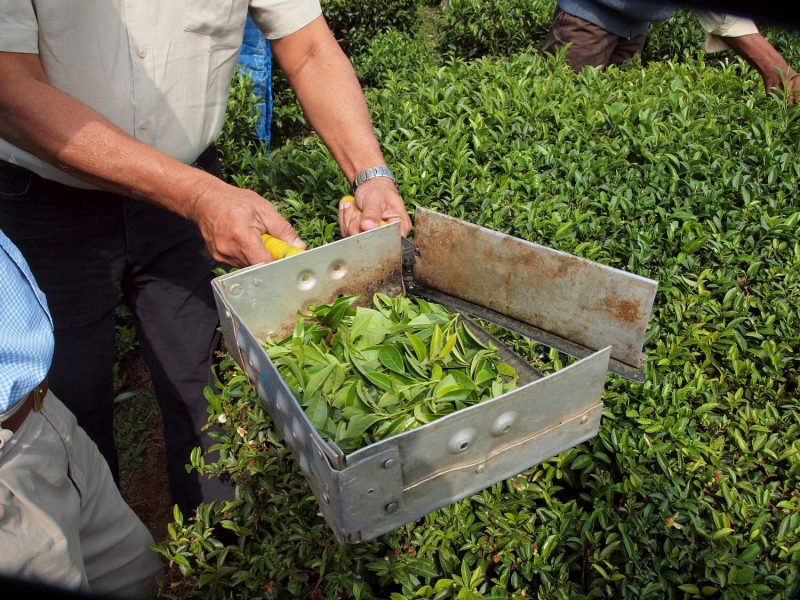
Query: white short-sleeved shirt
[719,25]
[159,69]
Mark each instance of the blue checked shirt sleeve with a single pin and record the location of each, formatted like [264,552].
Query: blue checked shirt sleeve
[26,329]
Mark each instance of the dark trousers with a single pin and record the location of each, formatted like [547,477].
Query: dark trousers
[85,246]
[590,44]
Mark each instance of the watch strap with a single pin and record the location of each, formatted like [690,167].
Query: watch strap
[372,173]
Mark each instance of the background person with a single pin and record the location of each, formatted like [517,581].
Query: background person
[109,180]
[610,32]
[62,519]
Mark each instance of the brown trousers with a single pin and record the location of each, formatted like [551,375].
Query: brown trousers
[589,44]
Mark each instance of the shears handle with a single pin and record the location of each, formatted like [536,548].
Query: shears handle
[280,249]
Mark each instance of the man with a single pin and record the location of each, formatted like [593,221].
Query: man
[62,519]
[609,32]
[108,114]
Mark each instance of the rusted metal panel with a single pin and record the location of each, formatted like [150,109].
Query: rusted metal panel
[587,303]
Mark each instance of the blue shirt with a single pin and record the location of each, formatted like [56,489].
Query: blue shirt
[26,329]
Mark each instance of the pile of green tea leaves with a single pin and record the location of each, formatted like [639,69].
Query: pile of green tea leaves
[363,374]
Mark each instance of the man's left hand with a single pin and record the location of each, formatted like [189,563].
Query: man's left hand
[375,200]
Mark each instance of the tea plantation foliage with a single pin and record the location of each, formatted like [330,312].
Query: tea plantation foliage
[682,171]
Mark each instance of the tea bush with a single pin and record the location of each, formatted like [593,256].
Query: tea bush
[392,53]
[475,28]
[355,25]
[681,172]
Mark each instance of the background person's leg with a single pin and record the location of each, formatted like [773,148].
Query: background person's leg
[589,44]
[626,49]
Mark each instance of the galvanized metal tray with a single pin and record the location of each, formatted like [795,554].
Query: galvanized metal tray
[588,310]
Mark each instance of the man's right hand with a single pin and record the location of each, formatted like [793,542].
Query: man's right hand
[232,221]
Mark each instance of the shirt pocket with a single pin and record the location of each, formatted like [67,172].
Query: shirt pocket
[208,17]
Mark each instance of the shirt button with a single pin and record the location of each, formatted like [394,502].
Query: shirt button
[142,53]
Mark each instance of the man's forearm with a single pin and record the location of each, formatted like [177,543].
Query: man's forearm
[763,57]
[44,121]
[331,98]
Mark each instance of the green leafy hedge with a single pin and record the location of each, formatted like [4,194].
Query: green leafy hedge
[681,172]
[474,28]
[354,24]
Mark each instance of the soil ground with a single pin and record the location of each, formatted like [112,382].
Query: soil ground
[140,441]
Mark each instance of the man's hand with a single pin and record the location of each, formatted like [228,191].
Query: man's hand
[375,201]
[232,221]
[771,65]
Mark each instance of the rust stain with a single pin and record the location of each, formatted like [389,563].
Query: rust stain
[626,311]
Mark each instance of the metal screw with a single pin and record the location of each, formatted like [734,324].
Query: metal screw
[391,507]
[388,463]
[584,419]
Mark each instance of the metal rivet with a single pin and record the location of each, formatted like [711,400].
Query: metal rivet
[461,440]
[236,290]
[503,423]
[584,419]
[257,282]
[306,281]
[370,491]
[391,507]
[326,498]
[480,469]
[388,463]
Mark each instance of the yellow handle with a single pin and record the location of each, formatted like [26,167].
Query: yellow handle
[278,248]
[352,200]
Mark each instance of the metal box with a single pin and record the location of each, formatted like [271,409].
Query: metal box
[585,309]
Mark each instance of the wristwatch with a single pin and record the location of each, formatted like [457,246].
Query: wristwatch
[372,173]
